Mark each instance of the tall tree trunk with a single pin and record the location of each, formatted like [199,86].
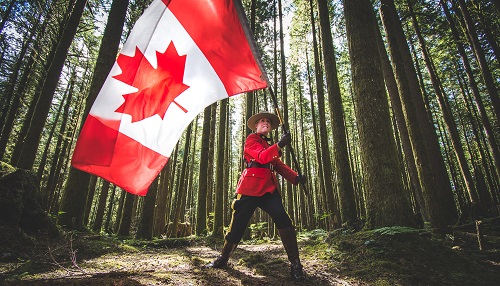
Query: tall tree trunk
[397,109]
[218,229]
[171,185]
[37,122]
[77,184]
[146,220]
[343,180]
[126,215]
[60,139]
[109,211]
[445,109]
[305,207]
[386,204]
[19,91]
[284,96]
[119,211]
[8,97]
[181,189]
[41,168]
[430,165]
[487,30]
[227,165]
[335,220]
[481,58]
[201,206]
[101,206]
[161,206]
[50,187]
[49,59]
[6,14]
[211,158]
[191,191]
[89,200]
[478,138]
[488,130]
[497,4]
[316,136]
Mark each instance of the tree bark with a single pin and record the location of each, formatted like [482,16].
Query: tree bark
[284,118]
[9,99]
[37,122]
[50,187]
[316,136]
[487,26]
[41,167]
[119,211]
[430,165]
[89,199]
[126,215]
[386,204]
[218,229]
[343,180]
[6,14]
[49,59]
[445,109]
[397,109]
[101,206]
[146,220]
[77,184]
[211,158]
[109,211]
[481,58]
[162,197]
[201,209]
[335,219]
[488,130]
[181,186]
[477,96]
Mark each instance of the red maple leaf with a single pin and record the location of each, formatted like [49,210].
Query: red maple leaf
[157,87]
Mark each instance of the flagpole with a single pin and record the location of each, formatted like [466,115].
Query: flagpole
[286,130]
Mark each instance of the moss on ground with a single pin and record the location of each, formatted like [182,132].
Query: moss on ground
[405,256]
[386,256]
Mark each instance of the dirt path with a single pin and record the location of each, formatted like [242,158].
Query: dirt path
[263,264]
[386,256]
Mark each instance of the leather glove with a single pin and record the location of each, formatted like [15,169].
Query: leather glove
[285,140]
[301,179]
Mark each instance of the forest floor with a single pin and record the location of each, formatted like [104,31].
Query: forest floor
[387,256]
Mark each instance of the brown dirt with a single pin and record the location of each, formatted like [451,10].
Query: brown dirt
[386,256]
[262,264]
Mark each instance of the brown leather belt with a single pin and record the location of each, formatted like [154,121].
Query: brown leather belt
[254,164]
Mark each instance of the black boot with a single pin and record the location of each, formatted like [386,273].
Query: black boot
[221,261]
[289,239]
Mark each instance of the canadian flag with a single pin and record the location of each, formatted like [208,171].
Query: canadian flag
[181,56]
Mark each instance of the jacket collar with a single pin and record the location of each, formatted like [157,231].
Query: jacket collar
[262,136]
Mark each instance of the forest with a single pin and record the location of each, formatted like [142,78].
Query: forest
[393,108]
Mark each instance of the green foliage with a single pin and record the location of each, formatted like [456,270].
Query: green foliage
[6,169]
[314,234]
[322,216]
[395,230]
[400,256]
[258,228]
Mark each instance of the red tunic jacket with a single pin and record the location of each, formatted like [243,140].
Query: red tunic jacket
[258,181]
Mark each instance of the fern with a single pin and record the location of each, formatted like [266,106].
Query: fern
[395,230]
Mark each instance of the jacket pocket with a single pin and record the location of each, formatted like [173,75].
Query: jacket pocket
[255,173]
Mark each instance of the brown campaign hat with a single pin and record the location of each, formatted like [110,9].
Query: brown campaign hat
[275,121]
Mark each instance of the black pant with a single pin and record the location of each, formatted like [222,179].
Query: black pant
[243,208]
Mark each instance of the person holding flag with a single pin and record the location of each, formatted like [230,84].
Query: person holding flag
[258,187]
[180,57]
